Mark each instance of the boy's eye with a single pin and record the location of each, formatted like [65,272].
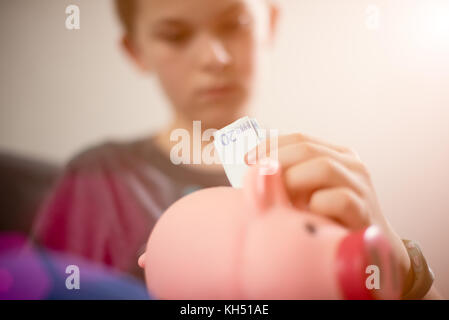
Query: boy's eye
[174,35]
[236,23]
[177,36]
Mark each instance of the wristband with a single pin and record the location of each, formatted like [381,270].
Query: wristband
[423,276]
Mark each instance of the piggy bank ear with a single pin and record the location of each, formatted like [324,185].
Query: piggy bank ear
[264,186]
[367,268]
[141,261]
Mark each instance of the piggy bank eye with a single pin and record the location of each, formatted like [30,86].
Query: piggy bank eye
[310,228]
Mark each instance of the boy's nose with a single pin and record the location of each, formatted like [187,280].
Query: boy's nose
[212,54]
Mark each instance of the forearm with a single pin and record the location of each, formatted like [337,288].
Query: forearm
[433,294]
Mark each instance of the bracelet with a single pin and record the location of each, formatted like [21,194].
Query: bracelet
[423,276]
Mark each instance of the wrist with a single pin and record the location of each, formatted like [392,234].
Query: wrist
[403,260]
[407,271]
[421,274]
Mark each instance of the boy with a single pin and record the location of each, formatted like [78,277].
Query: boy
[205,55]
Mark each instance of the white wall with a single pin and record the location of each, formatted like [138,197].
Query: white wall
[384,92]
[64,89]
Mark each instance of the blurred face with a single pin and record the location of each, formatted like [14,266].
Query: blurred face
[203,52]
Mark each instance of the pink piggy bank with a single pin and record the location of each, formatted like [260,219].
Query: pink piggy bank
[251,243]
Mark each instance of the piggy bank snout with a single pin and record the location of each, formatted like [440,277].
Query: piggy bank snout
[366,266]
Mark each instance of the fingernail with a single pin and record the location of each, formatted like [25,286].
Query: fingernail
[251,157]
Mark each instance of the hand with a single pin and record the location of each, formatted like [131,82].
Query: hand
[331,181]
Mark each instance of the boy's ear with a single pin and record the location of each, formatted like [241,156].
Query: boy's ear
[133,52]
[274,13]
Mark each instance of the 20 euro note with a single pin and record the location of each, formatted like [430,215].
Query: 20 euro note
[233,142]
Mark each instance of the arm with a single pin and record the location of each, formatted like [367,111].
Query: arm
[332,181]
[414,285]
[433,294]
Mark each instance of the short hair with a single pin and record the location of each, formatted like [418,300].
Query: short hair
[125,12]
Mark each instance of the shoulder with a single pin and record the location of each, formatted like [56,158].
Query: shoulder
[98,155]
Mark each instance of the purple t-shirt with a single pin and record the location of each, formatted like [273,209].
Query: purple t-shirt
[109,198]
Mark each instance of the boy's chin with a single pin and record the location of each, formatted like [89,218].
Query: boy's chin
[218,120]
[217,116]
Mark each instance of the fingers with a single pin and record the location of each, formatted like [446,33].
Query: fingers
[296,148]
[269,146]
[292,154]
[303,179]
[320,177]
[340,204]
[301,138]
